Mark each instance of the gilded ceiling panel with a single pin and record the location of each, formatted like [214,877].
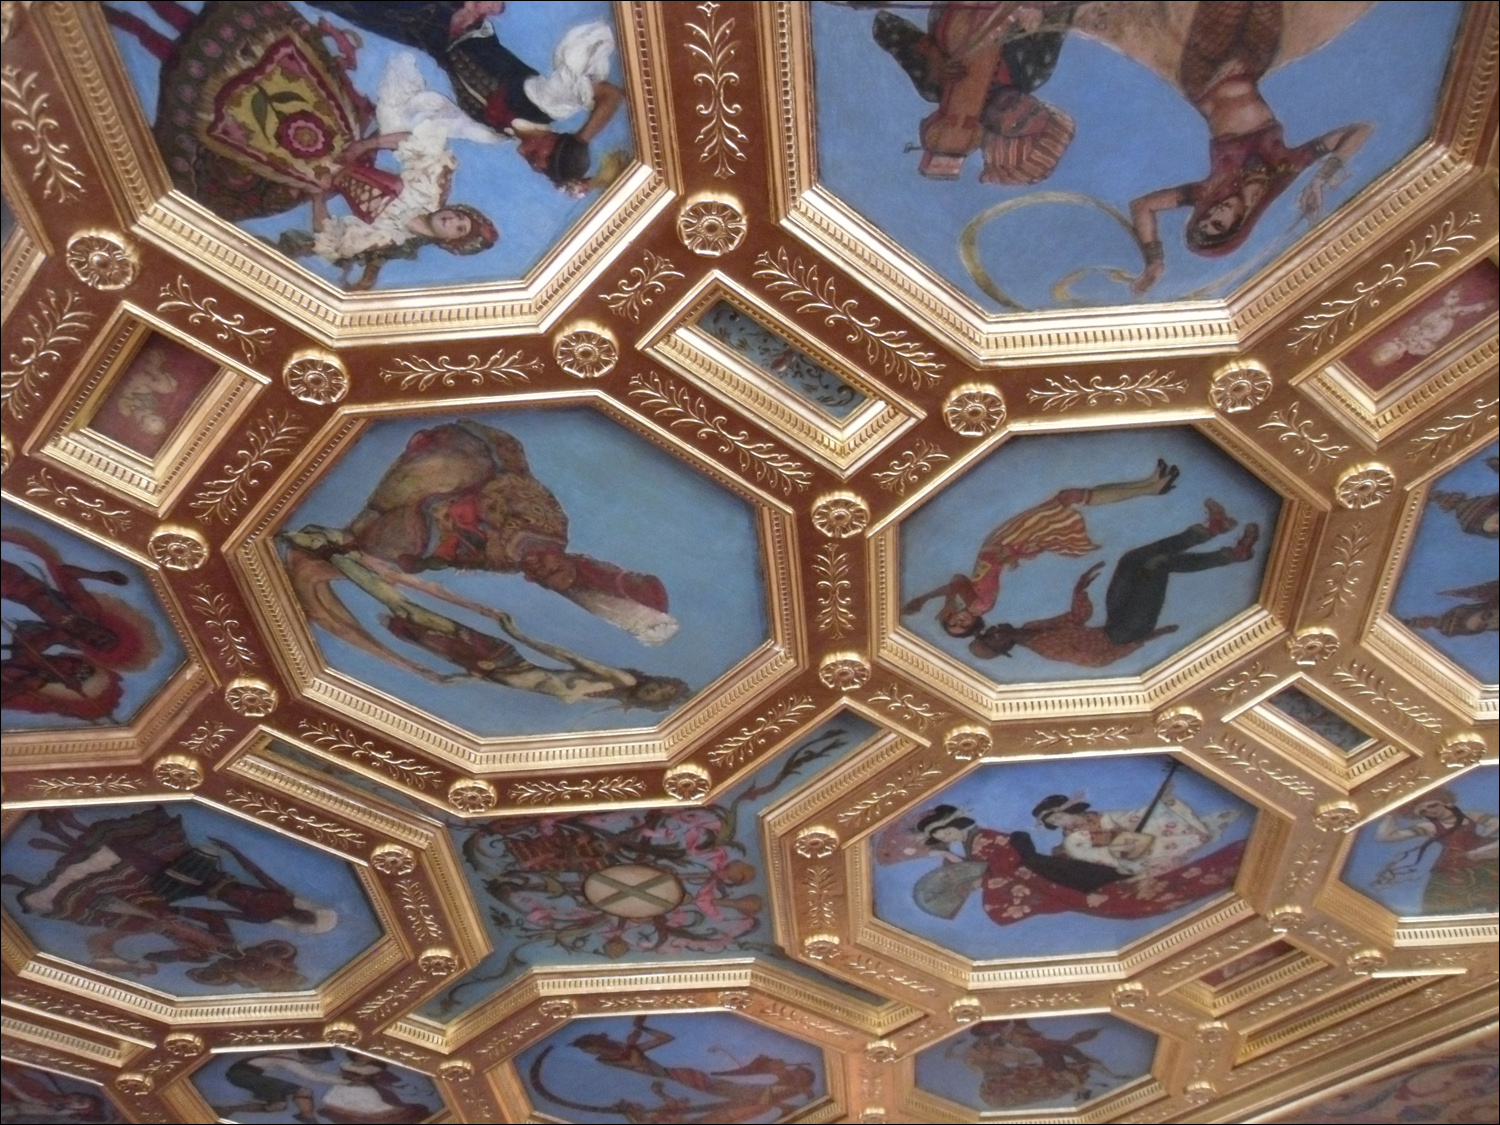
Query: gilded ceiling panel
[747,562]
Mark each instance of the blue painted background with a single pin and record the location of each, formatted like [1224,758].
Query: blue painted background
[317,876]
[1001,797]
[942,538]
[1476,792]
[1444,557]
[1135,134]
[222,1094]
[139,687]
[1124,1048]
[711,1041]
[530,213]
[628,503]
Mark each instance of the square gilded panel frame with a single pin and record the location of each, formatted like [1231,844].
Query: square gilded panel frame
[680,345]
[1378,414]
[155,483]
[1257,718]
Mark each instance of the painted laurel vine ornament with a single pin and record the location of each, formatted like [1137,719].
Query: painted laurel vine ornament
[101,261]
[316,377]
[1241,386]
[586,354]
[711,228]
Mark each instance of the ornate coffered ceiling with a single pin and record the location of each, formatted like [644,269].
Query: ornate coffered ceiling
[753,575]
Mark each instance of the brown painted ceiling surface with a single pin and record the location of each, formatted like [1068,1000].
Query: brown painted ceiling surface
[811,601]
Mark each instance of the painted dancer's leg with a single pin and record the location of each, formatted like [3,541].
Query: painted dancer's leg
[132,24]
[1161,481]
[173,13]
[1138,589]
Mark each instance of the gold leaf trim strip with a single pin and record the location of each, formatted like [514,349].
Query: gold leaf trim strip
[910,467]
[419,374]
[269,438]
[179,295]
[223,630]
[783,716]
[107,785]
[906,706]
[335,740]
[639,288]
[418,910]
[835,603]
[43,487]
[1455,429]
[721,140]
[58,321]
[61,178]
[1253,762]
[1149,389]
[681,409]
[909,781]
[792,281]
[1074,736]
[1341,314]
[1297,432]
[268,808]
[1344,570]
[587,789]
[1362,681]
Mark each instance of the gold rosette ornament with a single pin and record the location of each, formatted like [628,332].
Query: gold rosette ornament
[711,228]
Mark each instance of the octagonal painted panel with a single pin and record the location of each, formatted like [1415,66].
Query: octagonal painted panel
[1046,155]
[88,642]
[1053,1062]
[633,886]
[184,898]
[1437,854]
[1035,859]
[315,1084]
[705,1066]
[1448,592]
[526,572]
[29,1095]
[1089,555]
[364,141]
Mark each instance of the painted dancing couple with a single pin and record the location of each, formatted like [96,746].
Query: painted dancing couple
[1137,590]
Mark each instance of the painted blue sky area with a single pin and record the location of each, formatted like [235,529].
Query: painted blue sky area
[711,1043]
[350,1085]
[528,876]
[142,675]
[321,879]
[1445,557]
[1399,874]
[530,213]
[627,503]
[1001,797]
[943,537]
[1135,133]
[952,1070]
